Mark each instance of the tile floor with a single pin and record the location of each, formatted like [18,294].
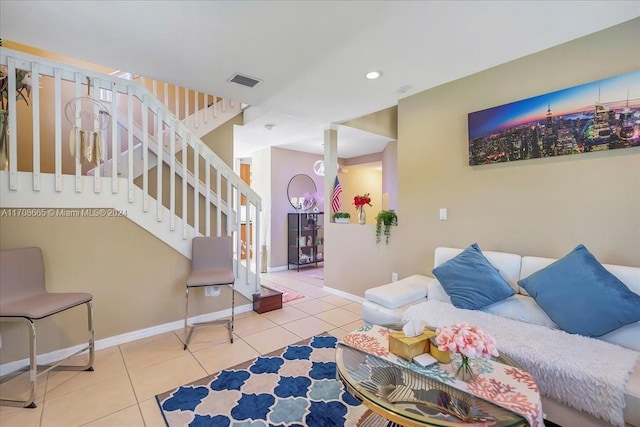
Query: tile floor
[121,391]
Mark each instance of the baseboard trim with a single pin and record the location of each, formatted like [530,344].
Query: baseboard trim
[274,269]
[54,356]
[343,294]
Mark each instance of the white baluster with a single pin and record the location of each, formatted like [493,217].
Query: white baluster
[238,234]
[115,138]
[247,227]
[207,211]
[196,188]
[256,255]
[130,143]
[13,126]
[35,94]
[166,94]
[196,110]
[224,105]
[78,159]
[160,164]
[97,127]
[57,108]
[177,101]
[205,109]
[219,203]
[172,175]
[186,106]
[229,208]
[215,106]
[145,154]
[185,215]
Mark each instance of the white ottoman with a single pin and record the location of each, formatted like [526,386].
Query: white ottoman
[385,304]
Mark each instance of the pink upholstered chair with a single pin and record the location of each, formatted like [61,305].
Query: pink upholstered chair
[211,265]
[24,298]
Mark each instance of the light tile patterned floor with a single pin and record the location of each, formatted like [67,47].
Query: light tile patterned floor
[121,390]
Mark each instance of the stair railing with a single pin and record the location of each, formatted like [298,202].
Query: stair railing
[68,87]
[192,107]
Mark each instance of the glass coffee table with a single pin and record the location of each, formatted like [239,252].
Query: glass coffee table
[397,396]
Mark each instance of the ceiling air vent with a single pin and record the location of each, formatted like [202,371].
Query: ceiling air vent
[244,80]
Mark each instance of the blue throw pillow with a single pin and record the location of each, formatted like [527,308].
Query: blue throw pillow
[581,296]
[471,281]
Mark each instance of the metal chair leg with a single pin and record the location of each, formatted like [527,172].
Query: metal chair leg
[186,316]
[233,306]
[227,322]
[91,347]
[34,367]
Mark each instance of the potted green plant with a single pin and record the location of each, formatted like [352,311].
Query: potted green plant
[386,218]
[341,217]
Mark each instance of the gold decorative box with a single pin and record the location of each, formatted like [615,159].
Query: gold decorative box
[409,347]
[440,356]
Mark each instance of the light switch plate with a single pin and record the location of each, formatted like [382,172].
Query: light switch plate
[443,214]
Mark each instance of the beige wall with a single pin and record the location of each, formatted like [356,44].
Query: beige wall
[359,180]
[136,280]
[220,140]
[390,176]
[55,56]
[384,122]
[542,207]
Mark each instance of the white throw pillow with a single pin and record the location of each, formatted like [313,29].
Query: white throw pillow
[436,292]
[523,308]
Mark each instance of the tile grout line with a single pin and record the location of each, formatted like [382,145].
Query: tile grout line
[44,396]
[126,368]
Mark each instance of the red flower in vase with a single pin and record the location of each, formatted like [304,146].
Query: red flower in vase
[360,201]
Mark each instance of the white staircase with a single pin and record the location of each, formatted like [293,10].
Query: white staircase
[200,112]
[139,134]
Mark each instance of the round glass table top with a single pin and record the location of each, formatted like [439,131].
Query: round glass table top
[409,398]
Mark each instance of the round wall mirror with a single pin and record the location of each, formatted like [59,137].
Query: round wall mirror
[299,190]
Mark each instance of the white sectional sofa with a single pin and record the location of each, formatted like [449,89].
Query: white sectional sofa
[386,305]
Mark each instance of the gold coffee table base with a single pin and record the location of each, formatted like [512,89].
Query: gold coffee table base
[372,419]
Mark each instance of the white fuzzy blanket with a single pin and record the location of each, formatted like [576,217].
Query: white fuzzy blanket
[585,373]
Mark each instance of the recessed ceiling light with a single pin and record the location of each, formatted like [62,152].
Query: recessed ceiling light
[372,75]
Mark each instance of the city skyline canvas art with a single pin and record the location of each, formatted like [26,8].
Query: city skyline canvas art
[595,116]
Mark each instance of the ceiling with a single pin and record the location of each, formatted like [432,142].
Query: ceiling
[310,55]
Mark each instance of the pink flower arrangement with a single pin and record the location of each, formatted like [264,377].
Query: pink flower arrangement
[469,341]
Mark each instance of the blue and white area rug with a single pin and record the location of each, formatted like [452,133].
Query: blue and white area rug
[292,387]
